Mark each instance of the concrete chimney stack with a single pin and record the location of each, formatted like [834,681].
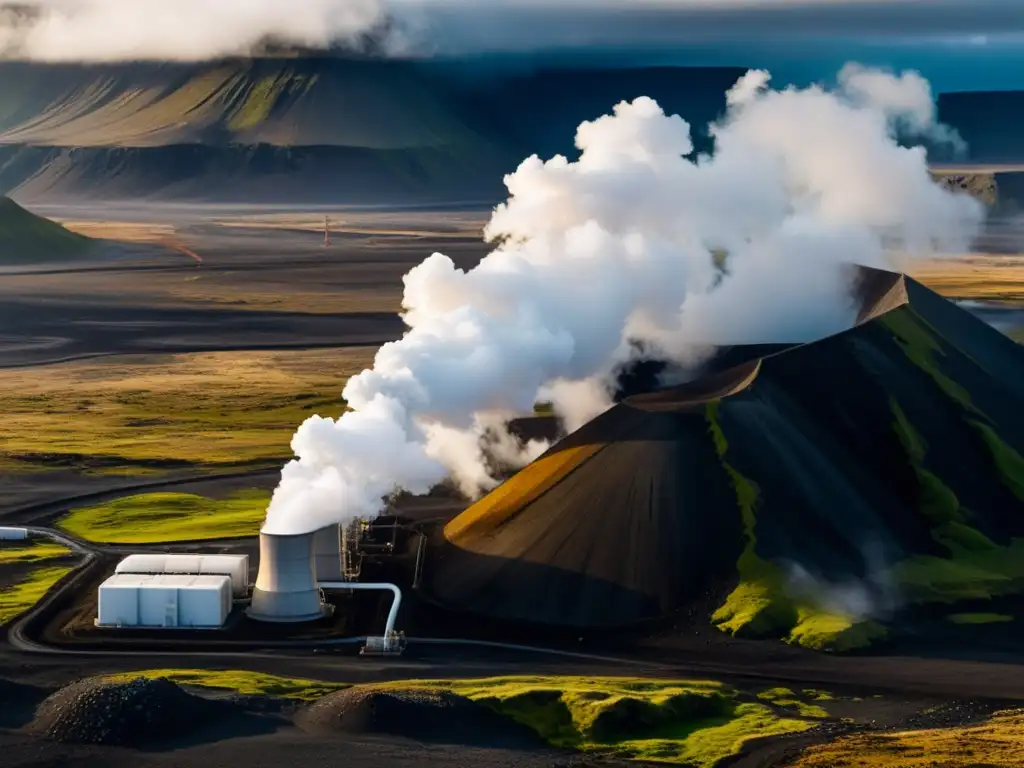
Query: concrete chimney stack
[286,584]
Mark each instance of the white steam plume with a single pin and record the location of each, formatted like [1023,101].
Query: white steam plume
[184,30]
[620,246]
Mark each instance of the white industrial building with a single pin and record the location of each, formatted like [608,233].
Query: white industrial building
[235,567]
[164,600]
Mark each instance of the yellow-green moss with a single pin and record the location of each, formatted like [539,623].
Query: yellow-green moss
[158,517]
[22,595]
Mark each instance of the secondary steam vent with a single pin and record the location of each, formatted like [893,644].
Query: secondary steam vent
[286,587]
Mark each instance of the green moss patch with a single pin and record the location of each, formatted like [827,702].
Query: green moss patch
[22,595]
[694,723]
[162,517]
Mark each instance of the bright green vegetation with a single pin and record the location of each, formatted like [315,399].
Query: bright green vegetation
[825,630]
[694,723]
[150,518]
[22,595]
[979,618]
[759,606]
[243,681]
[34,552]
[131,415]
[28,239]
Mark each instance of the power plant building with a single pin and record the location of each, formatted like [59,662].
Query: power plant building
[235,567]
[164,600]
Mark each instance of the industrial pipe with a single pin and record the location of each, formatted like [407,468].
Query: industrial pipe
[391,642]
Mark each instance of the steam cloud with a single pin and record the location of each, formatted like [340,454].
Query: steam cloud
[624,245]
[187,30]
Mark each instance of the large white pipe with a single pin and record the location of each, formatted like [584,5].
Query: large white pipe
[389,626]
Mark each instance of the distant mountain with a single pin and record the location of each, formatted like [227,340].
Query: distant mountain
[307,129]
[29,239]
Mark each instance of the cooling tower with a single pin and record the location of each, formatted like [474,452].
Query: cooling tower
[327,554]
[286,587]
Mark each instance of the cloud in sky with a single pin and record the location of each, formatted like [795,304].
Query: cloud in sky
[98,30]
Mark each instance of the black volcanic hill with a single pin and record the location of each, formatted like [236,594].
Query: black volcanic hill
[298,130]
[29,239]
[806,493]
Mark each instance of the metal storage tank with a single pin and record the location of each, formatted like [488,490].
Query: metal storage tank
[164,600]
[13,534]
[236,567]
[286,588]
[327,553]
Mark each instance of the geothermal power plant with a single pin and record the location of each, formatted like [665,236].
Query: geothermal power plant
[632,518]
[191,592]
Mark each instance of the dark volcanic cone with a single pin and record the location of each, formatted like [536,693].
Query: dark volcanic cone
[899,437]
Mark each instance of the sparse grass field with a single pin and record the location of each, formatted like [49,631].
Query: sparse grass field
[163,517]
[977,276]
[242,681]
[140,414]
[17,598]
[997,743]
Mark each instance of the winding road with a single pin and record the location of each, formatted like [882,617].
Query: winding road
[999,678]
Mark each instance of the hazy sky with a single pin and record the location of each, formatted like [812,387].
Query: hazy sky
[977,43]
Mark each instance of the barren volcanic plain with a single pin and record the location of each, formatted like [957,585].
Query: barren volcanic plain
[216,332]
